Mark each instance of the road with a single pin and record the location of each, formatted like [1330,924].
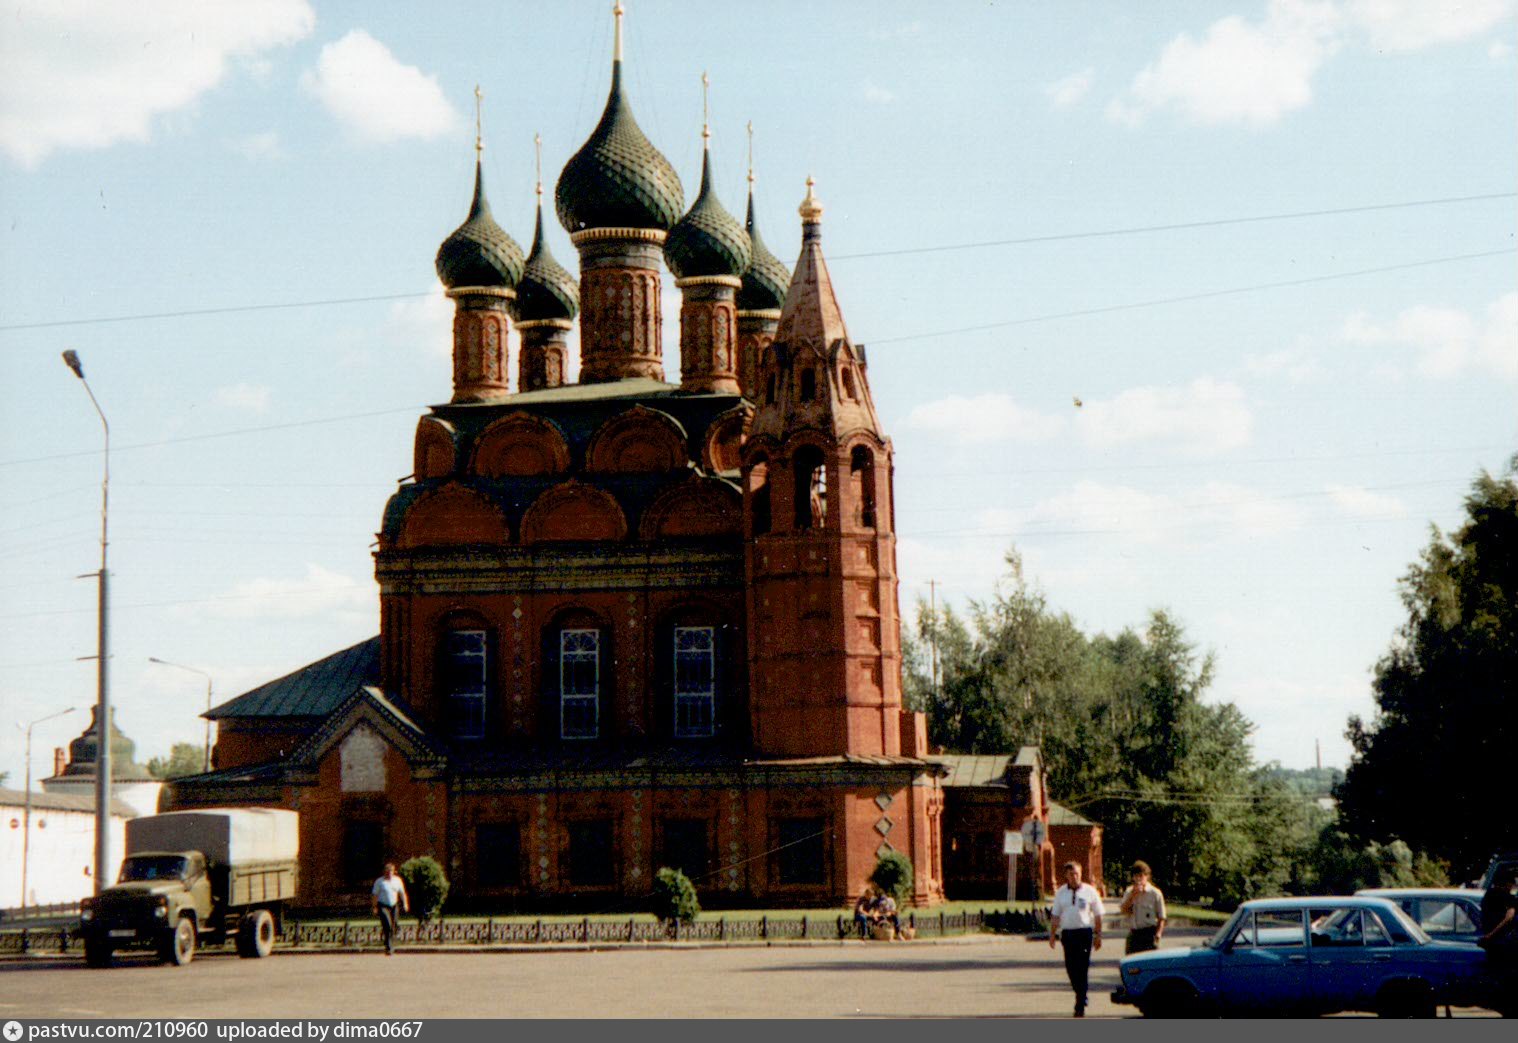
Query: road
[977,977]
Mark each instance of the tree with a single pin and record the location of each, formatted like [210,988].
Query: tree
[426,886]
[893,876]
[185,758]
[673,900]
[1433,766]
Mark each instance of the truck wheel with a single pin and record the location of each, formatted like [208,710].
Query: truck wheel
[96,953]
[179,947]
[255,938]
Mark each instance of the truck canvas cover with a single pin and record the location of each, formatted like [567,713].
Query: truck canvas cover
[226,836]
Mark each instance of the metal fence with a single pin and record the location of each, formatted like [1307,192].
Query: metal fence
[365,934]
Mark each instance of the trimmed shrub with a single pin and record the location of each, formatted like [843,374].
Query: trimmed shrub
[893,875]
[426,886]
[674,899]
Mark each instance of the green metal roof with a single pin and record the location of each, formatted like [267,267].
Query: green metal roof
[708,240]
[547,289]
[314,690]
[479,252]
[975,769]
[767,278]
[1059,815]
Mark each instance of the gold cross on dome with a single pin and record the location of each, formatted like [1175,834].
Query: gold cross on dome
[479,125]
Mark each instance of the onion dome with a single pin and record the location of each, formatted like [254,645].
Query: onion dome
[547,290]
[767,277]
[708,240]
[618,179]
[479,252]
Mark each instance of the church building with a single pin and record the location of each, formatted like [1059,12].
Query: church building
[624,623]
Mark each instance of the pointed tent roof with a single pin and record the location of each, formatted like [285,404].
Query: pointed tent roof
[811,314]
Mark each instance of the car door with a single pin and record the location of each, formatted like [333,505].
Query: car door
[1263,968]
[1346,973]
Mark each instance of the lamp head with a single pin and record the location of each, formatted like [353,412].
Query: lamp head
[71,359]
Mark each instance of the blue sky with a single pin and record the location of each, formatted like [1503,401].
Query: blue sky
[1264,464]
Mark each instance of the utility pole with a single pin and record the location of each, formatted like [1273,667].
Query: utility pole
[102,656]
[202,673]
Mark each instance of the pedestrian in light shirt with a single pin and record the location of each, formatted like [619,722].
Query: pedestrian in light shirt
[388,895]
[1144,905]
[1075,922]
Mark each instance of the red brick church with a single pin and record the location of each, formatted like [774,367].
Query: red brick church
[625,623]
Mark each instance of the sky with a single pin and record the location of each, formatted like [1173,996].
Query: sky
[1208,307]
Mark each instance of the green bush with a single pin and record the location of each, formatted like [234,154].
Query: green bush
[893,875]
[426,886]
[674,899]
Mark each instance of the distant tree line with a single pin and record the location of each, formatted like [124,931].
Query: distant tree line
[1129,741]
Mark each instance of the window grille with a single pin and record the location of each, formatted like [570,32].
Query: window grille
[464,682]
[579,683]
[695,682]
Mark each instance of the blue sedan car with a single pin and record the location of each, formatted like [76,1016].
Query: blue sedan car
[1305,957]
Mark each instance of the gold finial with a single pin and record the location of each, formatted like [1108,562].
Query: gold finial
[810,209]
[537,145]
[616,52]
[751,153]
[479,124]
[706,116]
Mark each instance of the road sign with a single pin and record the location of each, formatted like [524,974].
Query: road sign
[1034,833]
[1012,843]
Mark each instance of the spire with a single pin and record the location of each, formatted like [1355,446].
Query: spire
[479,128]
[811,311]
[707,241]
[479,252]
[547,291]
[617,11]
[766,279]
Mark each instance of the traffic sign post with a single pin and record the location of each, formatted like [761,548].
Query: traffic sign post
[1012,846]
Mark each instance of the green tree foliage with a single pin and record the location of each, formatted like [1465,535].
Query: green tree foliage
[426,886]
[1434,768]
[893,875]
[1340,867]
[674,897]
[1126,736]
[185,758]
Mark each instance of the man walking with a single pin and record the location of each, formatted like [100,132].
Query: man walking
[389,891]
[1144,905]
[1075,921]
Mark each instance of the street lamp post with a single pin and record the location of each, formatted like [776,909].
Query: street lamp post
[26,814]
[202,673]
[102,656]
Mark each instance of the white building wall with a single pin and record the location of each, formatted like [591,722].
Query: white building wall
[61,861]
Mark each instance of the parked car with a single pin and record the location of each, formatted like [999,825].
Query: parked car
[1503,859]
[1305,957]
[1446,914]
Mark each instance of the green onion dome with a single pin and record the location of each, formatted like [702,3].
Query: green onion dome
[546,291]
[618,179]
[767,278]
[479,252]
[708,240]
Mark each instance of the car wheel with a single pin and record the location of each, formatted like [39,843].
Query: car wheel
[179,948]
[1407,1000]
[1170,999]
[255,938]
[97,954]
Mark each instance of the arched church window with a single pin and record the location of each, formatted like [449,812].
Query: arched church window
[464,682]
[808,384]
[759,485]
[811,495]
[695,682]
[862,478]
[579,683]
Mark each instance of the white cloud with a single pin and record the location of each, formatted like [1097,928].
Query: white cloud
[1205,417]
[1360,502]
[376,97]
[262,146]
[1289,714]
[1214,510]
[1066,92]
[876,94]
[1299,365]
[1448,342]
[984,418]
[1499,50]
[1239,71]
[1254,72]
[246,397]
[321,592]
[1411,25]
[89,75]
[425,322]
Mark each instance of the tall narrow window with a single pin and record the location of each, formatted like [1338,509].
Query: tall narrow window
[862,477]
[800,851]
[769,390]
[579,683]
[759,482]
[808,384]
[464,685]
[591,858]
[695,682]
[811,496]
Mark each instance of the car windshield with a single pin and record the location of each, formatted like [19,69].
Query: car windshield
[154,867]
[1398,922]
[1226,931]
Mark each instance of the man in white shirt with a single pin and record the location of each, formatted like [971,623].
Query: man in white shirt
[389,892]
[1075,921]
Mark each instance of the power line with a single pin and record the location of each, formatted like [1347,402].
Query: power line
[1180,226]
[1056,237]
[1306,281]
